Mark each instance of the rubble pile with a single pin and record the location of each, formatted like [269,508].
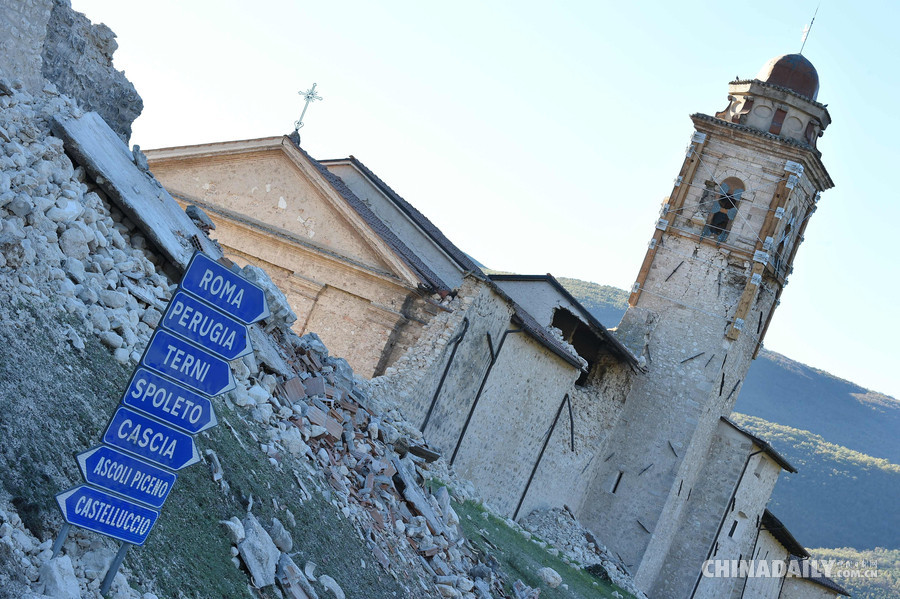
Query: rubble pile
[578,546]
[61,239]
[374,465]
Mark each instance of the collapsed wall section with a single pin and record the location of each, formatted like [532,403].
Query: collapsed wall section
[45,41]
[23,26]
[77,56]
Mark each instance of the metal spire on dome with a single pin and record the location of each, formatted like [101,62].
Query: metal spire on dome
[808,28]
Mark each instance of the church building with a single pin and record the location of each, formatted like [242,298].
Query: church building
[524,391]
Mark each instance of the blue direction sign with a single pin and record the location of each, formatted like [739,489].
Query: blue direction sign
[207,327]
[115,471]
[151,440]
[187,364]
[107,514]
[167,401]
[227,291]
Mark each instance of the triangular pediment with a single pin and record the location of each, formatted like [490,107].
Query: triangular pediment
[271,183]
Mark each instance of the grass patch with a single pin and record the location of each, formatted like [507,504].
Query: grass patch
[521,558]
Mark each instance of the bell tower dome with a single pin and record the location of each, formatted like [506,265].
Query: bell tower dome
[715,268]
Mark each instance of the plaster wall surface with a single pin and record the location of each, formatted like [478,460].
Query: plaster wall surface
[516,409]
[703,513]
[737,537]
[563,476]
[770,550]
[402,226]
[693,378]
[800,588]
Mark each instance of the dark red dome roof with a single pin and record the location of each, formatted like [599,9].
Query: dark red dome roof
[794,72]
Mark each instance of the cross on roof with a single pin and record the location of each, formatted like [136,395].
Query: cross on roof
[309,95]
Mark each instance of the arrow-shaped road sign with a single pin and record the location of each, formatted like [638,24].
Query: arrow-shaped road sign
[227,291]
[151,440]
[135,479]
[107,514]
[167,401]
[187,364]
[206,326]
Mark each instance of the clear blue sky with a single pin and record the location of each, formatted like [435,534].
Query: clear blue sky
[541,137]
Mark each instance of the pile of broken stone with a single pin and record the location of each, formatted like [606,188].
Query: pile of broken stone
[374,464]
[64,244]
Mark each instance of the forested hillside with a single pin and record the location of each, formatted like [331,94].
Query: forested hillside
[839,497]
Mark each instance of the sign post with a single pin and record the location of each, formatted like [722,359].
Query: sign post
[167,401]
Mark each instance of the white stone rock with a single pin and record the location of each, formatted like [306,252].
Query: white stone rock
[263,413]
[550,577]
[112,299]
[447,591]
[331,584]
[58,578]
[258,552]
[258,394]
[235,529]
[111,339]
[293,441]
[69,211]
[74,244]
[281,537]
[96,562]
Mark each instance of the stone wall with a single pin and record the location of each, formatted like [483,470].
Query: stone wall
[736,539]
[514,413]
[703,514]
[770,550]
[412,381]
[516,409]
[596,409]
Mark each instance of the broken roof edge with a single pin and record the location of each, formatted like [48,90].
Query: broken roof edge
[762,444]
[618,348]
[778,530]
[529,323]
[818,578]
[429,277]
[413,213]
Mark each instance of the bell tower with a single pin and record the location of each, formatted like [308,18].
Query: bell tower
[716,265]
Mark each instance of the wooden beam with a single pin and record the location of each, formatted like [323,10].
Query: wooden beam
[676,200]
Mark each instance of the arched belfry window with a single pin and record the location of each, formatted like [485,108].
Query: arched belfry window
[722,205]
